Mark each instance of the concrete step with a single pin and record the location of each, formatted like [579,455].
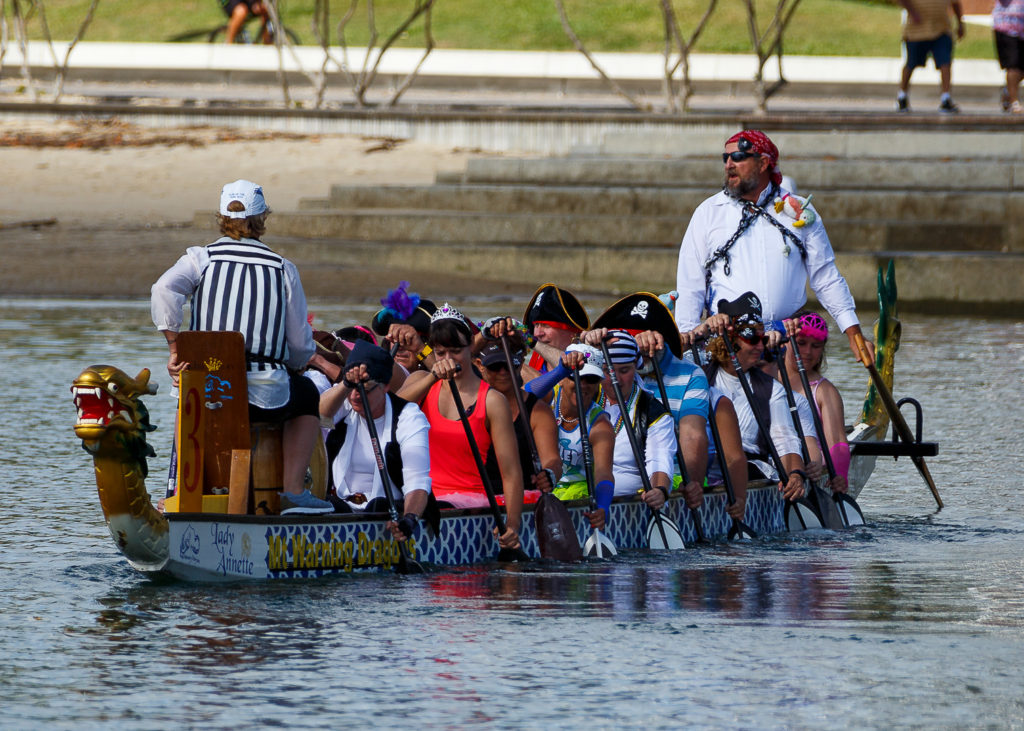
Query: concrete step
[909,144]
[706,172]
[563,232]
[928,281]
[968,207]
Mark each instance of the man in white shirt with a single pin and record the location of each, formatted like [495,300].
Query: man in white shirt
[738,242]
[238,283]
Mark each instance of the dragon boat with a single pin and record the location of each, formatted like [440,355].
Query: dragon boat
[206,537]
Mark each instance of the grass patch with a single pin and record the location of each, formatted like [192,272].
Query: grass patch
[820,27]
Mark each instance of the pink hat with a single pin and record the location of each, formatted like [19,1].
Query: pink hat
[245,192]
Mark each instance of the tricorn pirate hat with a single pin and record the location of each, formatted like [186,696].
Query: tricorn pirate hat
[643,311]
[550,303]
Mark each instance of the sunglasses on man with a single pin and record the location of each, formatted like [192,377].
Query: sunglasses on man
[741,154]
[754,339]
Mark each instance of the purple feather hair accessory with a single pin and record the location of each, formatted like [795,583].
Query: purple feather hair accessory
[400,302]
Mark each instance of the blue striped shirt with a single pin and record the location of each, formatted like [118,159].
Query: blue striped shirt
[686,385]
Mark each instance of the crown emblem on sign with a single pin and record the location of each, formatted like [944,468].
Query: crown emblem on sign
[213,364]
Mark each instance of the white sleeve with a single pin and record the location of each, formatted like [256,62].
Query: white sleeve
[782,432]
[828,284]
[413,436]
[690,282]
[174,287]
[661,446]
[297,330]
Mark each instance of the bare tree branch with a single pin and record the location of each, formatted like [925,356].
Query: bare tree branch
[767,44]
[685,47]
[62,72]
[586,54]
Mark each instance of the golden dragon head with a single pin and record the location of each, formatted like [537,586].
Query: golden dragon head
[108,405]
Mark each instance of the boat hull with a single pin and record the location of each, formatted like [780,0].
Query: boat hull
[211,547]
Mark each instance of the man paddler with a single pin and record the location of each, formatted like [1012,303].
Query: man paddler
[555,318]
[754,235]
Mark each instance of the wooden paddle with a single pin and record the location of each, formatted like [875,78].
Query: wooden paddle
[694,512]
[739,529]
[899,424]
[801,509]
[598,543]
[406,564]
[555,535]
[849,510]
[831,517]
[505,554]
[671,538]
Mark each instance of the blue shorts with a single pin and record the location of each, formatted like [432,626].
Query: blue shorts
[941,50]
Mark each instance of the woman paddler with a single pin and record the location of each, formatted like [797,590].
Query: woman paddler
[497,372]
[455,480]
[573,485]
[746,333]
[809,333]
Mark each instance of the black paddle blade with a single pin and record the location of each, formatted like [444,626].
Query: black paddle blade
[848,509]
[513,555]
[408,566]
[555,531]
[741,531]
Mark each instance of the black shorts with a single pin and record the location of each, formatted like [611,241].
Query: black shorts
[1010,51]
[230,5]
[940,49]
[303,400]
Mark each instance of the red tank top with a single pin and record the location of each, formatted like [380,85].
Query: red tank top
[452,467]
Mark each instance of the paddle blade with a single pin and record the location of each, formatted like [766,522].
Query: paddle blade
[599,545]
[407,565]
[800,515]
[556,534]
[513,555]
[848,509]
[665,537]
[741,531]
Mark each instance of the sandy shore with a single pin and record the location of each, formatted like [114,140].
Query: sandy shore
[102,210]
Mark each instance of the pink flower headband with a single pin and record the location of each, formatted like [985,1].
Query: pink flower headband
[814,326]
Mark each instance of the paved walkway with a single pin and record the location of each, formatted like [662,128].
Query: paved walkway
[545,79]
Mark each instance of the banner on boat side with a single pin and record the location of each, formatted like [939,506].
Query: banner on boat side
[258,551]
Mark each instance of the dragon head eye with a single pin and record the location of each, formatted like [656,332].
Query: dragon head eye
[112,387]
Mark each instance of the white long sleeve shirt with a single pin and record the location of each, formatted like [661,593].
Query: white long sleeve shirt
[267,389]
[658,454]
[758,263]
[357,450]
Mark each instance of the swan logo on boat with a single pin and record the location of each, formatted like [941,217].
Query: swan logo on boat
[189,543]
[640,310]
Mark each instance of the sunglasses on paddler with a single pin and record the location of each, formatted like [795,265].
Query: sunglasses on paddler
[754,339]
[742,153]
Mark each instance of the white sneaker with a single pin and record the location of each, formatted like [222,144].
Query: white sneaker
[1016,108]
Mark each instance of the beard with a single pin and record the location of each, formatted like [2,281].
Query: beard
[740,186]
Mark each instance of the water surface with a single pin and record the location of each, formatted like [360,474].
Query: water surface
[913,621]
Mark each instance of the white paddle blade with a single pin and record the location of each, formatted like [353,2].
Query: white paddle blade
[849,511]
[599,545]
[673,539]
[800,516]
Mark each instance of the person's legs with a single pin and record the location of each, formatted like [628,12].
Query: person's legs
[236,21]
[1013,77]
[297,442]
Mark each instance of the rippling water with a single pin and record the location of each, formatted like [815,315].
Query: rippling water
[913,621]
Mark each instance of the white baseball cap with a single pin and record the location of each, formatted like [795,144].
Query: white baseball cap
[245,192]
[594,365]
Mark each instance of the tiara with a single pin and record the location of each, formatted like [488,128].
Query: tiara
[447,312]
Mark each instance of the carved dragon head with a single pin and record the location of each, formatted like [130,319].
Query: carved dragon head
[110,413]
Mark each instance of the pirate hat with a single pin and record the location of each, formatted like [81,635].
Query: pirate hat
[419,319]
[553,304]
[643,311]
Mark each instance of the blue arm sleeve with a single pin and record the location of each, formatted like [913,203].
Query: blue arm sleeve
[542,385]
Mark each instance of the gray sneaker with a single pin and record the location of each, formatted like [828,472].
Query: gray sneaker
[948,107]
[304,504]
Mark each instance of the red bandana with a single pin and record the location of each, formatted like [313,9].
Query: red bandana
[762,145]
